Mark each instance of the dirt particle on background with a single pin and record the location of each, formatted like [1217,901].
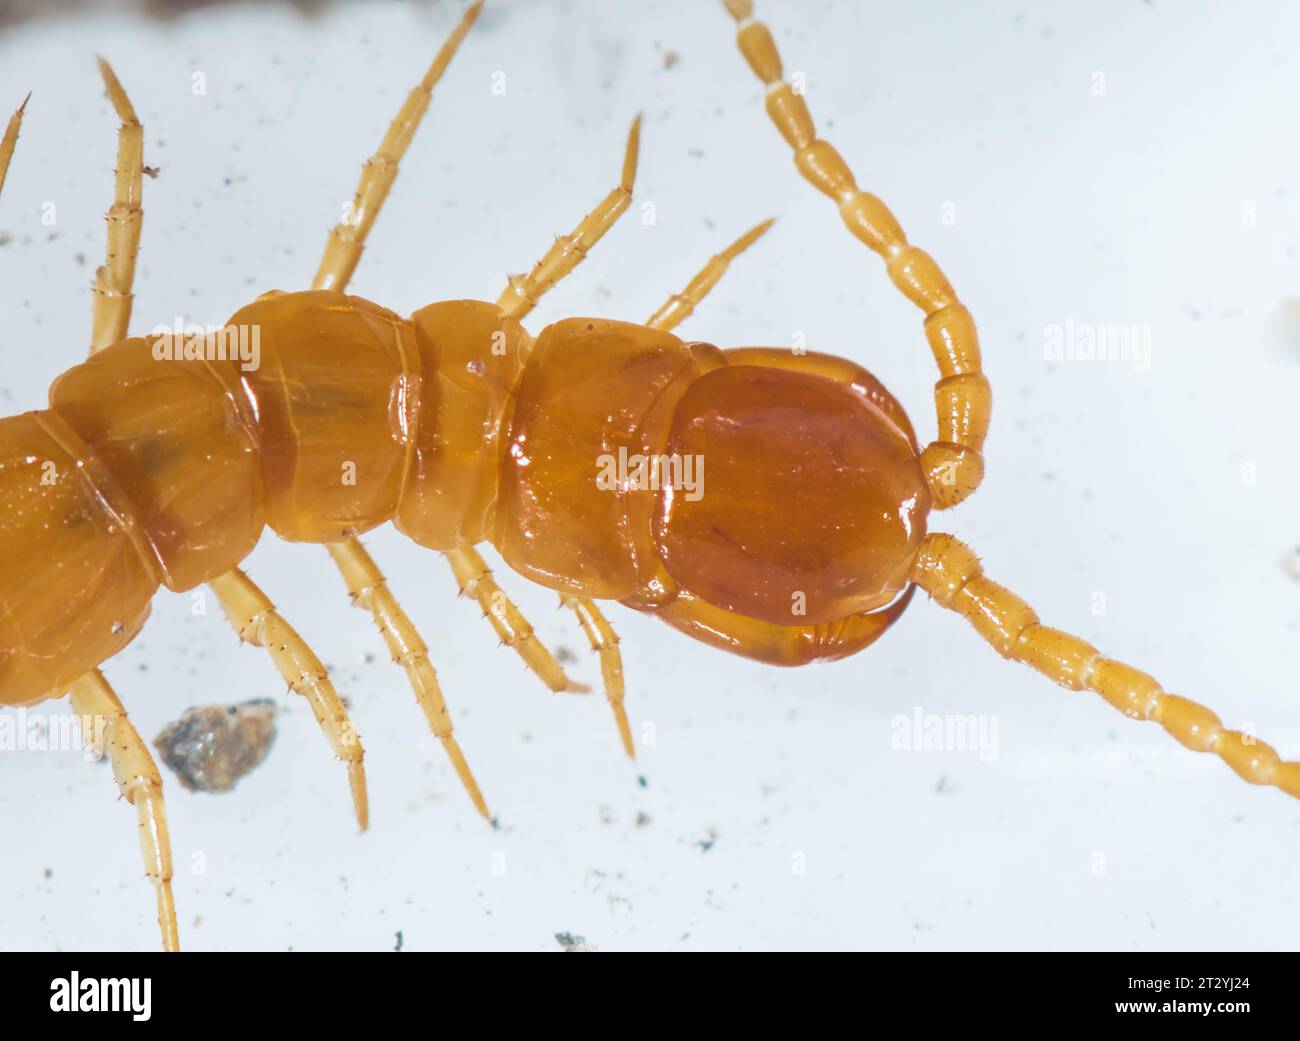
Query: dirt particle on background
[574,944]
[708,842]
[211,747]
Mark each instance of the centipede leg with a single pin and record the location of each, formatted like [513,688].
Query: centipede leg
[951,573]
[678,307]
[133,766]
[255,617]
[105,720]
[348,238]
[369,590]
[343,251]
[953,463]
[10,140]
[604,641]
[568,251]
[475,579]
[114,280]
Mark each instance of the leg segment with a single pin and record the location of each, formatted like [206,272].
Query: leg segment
[678,307]
[10,140]
[348,239]
[113,281]
[951,573]
[604,641]
[953,464]
[568,251]
[140,783]
[369,590]
[258,622]
[475,579]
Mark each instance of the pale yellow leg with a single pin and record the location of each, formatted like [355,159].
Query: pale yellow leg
[600,634]
[604,641]
[680,306]
[348,239]
[113,281]
[258,622]
[475,579]
[342,253]
[133,766]
[518,299]
[104,720]
[951,573]
[10,140]
[568,251]
[369,590]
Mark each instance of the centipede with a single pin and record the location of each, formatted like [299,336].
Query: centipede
[770,502]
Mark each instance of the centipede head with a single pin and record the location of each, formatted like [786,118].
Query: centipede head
[816,502]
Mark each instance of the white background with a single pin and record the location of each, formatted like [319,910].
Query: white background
[1169,200]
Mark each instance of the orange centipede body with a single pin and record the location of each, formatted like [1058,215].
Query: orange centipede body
[771,503]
